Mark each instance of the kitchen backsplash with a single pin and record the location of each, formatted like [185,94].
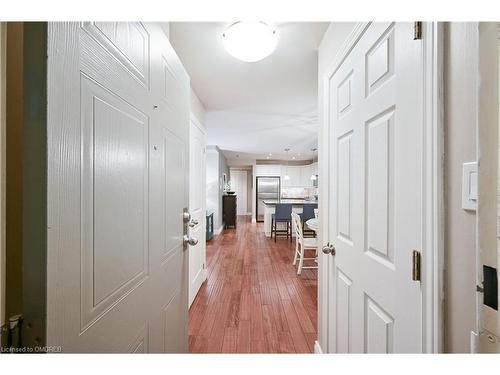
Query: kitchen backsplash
[298,192]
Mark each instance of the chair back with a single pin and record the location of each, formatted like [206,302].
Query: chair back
[283,211]
[297,227]
[308,211]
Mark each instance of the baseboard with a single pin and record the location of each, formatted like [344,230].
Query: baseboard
[219,230]
[474,342]
[317,348]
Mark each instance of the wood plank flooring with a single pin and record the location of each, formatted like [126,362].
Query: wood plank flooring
[253,301]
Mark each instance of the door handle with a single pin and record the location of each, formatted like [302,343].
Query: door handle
[188,240]
[329,249]
[193,223]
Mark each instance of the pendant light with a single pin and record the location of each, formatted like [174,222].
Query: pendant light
[313,176]
[287,176]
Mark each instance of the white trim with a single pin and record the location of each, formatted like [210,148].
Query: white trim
[317,348]
[219,230]
[433,146]
[433,215]
[197,123]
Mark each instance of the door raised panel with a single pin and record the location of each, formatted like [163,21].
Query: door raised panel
[140,343]
[379,61]
[379,185]
[344,95]
[172,327]
[128,42]
[114,199]
[379,328]
[343,312]
[170,85]
[344,175]
[175,185]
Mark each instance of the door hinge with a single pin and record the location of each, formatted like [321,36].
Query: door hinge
[416,260]
[10,334]
[417,30]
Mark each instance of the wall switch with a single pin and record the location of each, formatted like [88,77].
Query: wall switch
[469,186]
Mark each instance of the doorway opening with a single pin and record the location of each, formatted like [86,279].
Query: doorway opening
[261,123]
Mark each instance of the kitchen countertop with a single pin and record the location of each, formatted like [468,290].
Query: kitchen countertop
[295,202]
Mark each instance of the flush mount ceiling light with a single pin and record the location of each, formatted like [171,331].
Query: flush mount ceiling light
[250,41]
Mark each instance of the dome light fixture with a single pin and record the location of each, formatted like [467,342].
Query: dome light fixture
[250,41]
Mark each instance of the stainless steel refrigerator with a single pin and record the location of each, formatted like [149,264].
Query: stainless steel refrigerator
[267,188]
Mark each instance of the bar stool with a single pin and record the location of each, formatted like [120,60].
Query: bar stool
[308,213]
[302,244]
[282,214]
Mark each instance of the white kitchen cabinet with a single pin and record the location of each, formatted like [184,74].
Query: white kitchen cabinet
[300,176]
[305,176]
[314,168]
[268,170]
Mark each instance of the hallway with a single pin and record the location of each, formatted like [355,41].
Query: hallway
[253,301]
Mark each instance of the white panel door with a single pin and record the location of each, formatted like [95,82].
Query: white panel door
[375,118]
[240,185]
[197,203]
[118,120]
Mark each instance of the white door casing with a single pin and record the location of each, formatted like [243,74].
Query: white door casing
[197,206]
[380,184]
[239,185]
[118,120]
[3,114]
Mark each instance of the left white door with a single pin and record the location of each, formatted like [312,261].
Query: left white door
[118,122]
[197,207]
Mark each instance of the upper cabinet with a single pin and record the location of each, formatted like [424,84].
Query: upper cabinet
[268,170]
[299,176]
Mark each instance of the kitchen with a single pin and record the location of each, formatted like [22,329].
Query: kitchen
[294,182]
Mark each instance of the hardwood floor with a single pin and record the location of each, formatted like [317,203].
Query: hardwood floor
[253,301]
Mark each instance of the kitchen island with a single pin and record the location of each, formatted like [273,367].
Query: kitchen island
[270,207]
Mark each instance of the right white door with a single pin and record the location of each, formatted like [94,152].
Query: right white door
[375,144]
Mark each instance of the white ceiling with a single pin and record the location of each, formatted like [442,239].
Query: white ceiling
[255,108]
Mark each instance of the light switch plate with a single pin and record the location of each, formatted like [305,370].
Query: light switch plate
[469,186]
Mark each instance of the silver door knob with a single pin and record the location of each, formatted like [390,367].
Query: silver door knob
[193,223]
[186,216]
[328,249]
[188,240]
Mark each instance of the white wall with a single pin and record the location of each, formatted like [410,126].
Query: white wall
[212,174]
[488,161]
[332,41]
[197,108]
[216,167]
[3,41]
[460,75]
[165,26]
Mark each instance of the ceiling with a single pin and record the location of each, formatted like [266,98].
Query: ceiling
[255,108]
